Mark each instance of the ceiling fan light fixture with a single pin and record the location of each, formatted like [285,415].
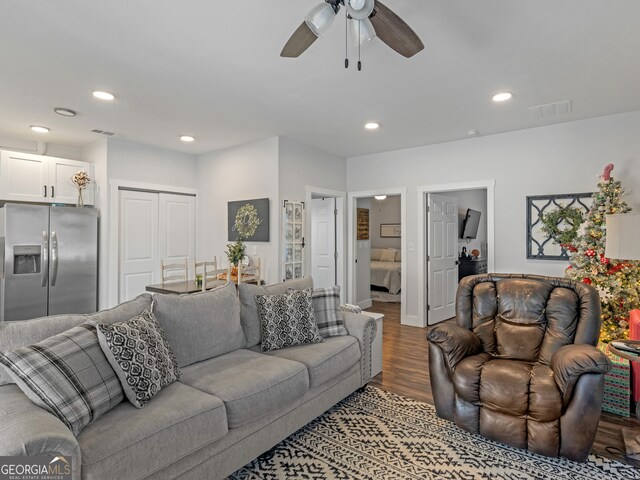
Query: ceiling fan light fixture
[360,9]
[320,18]
[362,31]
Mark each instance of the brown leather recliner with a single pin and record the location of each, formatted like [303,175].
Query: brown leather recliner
[520,366]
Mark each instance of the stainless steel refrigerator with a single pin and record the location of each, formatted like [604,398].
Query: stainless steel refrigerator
[49,261]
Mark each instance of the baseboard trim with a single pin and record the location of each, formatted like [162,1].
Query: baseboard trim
[368,303]
[412,321]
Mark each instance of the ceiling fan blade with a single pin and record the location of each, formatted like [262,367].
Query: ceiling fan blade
[301,39]
[394,31]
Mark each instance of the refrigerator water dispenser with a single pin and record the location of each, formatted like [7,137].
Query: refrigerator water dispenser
[26,259]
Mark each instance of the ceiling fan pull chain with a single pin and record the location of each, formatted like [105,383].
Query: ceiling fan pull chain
[359,45]
[346,40]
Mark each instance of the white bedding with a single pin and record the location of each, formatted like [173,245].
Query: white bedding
[387,275]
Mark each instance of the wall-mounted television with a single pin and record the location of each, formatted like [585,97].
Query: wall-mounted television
[471,224]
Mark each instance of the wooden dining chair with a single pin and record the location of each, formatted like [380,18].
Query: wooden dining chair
[251,273]
[174,272]
[210,274]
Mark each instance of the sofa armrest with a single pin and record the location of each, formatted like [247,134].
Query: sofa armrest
[572,361]
[455,342]
[364,328]
[26,429]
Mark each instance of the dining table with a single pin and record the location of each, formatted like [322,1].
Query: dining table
[190,286]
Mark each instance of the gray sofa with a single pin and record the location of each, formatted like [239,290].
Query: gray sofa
[232,403]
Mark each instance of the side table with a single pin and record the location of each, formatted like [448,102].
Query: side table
[376,348]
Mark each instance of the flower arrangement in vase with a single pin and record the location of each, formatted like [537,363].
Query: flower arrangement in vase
[80,179]
[236,253]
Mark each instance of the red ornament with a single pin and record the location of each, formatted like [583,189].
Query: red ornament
[590,253]
[587,281]
[604,260]
[569,267]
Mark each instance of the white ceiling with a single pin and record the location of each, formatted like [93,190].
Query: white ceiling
[212,69]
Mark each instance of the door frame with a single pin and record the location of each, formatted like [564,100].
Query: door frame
[112,262]
[489,186]
[351,233]
[341,198]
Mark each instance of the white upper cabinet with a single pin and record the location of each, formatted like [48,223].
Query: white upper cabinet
[27,177]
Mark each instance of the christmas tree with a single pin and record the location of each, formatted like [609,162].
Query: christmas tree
[617,281]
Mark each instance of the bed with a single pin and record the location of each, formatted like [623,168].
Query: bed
[386,268]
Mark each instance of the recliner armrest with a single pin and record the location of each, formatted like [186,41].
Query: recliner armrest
[26,429]
[364,328]
[572,361]
[455,342]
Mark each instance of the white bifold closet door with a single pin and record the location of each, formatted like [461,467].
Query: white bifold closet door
[153,227]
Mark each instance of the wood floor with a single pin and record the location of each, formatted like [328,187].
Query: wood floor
[405,371]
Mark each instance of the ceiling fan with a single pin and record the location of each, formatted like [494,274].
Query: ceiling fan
[368,18]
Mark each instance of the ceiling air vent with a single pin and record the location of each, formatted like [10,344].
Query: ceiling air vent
[551,109]
[103,132]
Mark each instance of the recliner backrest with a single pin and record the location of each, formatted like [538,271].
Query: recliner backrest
[528,317]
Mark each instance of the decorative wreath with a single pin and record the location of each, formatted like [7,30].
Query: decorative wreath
[562,224]
[247,221]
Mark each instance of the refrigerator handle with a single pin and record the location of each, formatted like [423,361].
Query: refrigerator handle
[45,258]
[54,258]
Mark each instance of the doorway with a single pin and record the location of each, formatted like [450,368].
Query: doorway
[437,301]
[325,227]
[361,251]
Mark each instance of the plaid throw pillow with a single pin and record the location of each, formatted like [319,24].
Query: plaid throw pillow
[287,320]
[326,308]
[141,356]
[68,375]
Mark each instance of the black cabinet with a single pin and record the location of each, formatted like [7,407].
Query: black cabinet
[468,266]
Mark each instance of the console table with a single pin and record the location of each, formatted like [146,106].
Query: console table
[471,266]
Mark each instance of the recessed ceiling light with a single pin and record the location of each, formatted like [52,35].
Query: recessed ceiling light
[187,138]
[380,197]
[103,95]
[473,133]
[39,129]
[372,125]
[502,96]
[65,112]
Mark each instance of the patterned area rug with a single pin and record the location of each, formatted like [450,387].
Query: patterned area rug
[379,435]
[386,297]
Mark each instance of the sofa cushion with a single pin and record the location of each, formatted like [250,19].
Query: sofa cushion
[251,384]
[132,443]
[27,332]
[140,355]
[326,309]
[325,360]
[249,307]
[287,320]
[67,375]
[122,312]
[202,325]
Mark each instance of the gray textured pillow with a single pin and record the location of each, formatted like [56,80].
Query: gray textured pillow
[249,307]
[122,312]
[326,308]
[140,355]
[68,375]
[287,320]
[201,325]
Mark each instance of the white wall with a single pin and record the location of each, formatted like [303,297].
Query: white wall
[563,158]
[384,212]
[240,173]
[300,167]
[145,164]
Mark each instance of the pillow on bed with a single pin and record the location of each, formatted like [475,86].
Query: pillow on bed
[375,254]
[388,255]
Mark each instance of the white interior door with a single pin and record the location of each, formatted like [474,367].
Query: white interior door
[442,263]
[323,242]
[177,227]
[138,248]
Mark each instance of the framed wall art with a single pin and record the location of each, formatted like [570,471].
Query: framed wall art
[390,230]
[363,224]
[248,220]
[553,222]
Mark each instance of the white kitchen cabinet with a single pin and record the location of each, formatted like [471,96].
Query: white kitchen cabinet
[27,177]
